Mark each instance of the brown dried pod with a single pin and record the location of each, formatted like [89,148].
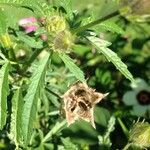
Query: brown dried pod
[79,102]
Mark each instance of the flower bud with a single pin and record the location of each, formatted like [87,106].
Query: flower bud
[29,24]
[22,53]
[55,24]
[5,41]
[140,134]
[63,41]
[60,38]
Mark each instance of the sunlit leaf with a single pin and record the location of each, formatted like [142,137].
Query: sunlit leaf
[101,46]
[67,4]
[4,89]
[16,117]
[31,99]
[111,26]
[3,22]
[78,73]
[30,41]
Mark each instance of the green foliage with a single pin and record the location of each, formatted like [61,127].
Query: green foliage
[31,99]
[30,41]
[105,140]
[56,129]
[16,118]
[68,144]
[111,26]
[72,67]
[3,23]
[33,77]
[67,4]
[4,91]
[101,46]
[11,19]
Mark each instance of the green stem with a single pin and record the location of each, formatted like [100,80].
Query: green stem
[124,128]
[96,22]
[127,146]
[59,126]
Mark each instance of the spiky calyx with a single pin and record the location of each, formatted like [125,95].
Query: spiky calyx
[60,38]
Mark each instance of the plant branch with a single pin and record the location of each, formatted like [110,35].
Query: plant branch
[96,22]
[124,128]
[127,146]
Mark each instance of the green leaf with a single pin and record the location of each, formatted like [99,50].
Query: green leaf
[18,13]
[101,46]
[103,118]
[4,90]
[105,140]
[30,41]
[111,26]
[31,99]
[16,118]
[56,129]
[67,4]
[78,73]
[68,145]
[3,22]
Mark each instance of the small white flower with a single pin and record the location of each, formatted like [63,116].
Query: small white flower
[139,97]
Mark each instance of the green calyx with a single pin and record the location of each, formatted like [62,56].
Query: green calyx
[60,38]
[55,24]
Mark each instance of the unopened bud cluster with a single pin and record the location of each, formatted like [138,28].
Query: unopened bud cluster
[59,37]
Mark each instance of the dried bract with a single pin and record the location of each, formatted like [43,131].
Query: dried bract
[79,102]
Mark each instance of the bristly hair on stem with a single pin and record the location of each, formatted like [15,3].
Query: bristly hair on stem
[94,23]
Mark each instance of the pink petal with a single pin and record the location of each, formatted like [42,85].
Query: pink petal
[30,29]
[27,20]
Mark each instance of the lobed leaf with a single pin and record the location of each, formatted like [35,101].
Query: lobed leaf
[3,22]
[101,46]
[111,26]
[16,118]
[30,41]
[31,99]
[4,90]
[67,4]
[10,18]
[77,72]
[68,144]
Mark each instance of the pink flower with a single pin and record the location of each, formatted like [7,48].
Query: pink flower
[30,28]
[29,24]
[26,21]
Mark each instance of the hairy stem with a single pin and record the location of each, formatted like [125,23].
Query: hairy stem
[124,128]
[96,22]
[127,146]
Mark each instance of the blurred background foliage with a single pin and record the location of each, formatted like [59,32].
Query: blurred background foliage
[133,47]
